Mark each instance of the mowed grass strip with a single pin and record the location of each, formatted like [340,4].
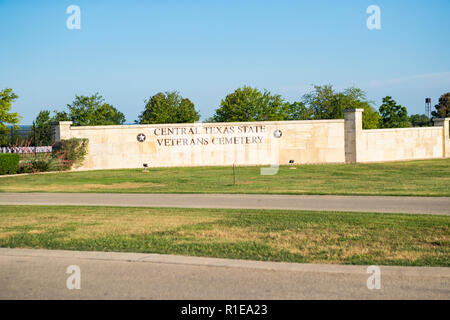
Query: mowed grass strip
[292,236]
[411,178]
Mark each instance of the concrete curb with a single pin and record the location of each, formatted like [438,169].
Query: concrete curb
[433,272]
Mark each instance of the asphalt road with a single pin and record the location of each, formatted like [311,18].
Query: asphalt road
[427,205]
[41,274]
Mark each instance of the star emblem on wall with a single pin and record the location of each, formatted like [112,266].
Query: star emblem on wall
[141,137]
[277,133]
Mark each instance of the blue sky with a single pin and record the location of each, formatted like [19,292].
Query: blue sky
[130,50]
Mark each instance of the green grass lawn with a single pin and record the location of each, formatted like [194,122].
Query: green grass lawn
[411,178]
[294,236]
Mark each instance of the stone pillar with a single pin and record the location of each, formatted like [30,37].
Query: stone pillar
[60,130]
[445,124]
[353,134]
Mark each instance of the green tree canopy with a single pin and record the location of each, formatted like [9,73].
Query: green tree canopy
[420,120]
[393,115]
[250,104]
[41,129]
[298,111]
[90,111]
[7,97]
[168,107]
[325,103]
[443,107]
[61,116]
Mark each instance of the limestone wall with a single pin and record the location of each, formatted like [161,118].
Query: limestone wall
[210,144]
[394,144]
[255,143]
[401,144]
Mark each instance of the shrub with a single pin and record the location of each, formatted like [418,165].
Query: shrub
[70,152]
[9,163]
[43,165]
[25,167]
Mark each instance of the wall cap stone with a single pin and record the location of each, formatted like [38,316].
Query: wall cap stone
[441,119]
[61,123]
[200,124]
[401,129]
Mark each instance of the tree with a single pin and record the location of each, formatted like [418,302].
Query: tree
[7,97]
[393,115]
[250,104]
[370,118]
[355,98]
[443,107]
[298,111]
[325,103]
[420,120]
[90,111]
[168,107]
[106,114]
[41,129]
[60,116]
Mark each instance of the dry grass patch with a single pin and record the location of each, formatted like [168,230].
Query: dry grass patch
[135,225]
[218,234]
[5,234]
